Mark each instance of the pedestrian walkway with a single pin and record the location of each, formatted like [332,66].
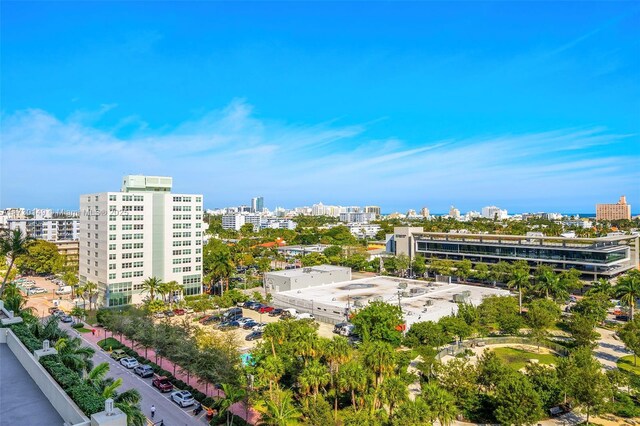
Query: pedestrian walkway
[239,409]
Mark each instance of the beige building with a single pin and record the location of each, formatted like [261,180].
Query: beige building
[620,210]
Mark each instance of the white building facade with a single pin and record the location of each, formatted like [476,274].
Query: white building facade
[140,232]
[47,229]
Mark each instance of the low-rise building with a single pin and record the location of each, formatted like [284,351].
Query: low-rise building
[313,276]
[618,211]
[47,229]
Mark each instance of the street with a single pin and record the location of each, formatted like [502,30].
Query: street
[166,410]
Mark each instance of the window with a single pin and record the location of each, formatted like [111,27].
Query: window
[138,245]
[199,225]
[88,234]
[138,286]
[138,208]
[177,243]
[186,269]
[138,264]
[126,246]
[177,226]
[112,227]
[127,275]
[177,234]
[186,234]
[198,208]
[113,197]
[186,199]
[137,273]
[177,217]
[112,276]
[127,198]
[177,208]
[138,255]
[127,227]
[127,236]
[198,250]
[112,266]
[186,225]
[96,198]
[96,236]
[126,265]
[88,252]
[112,246]
[138,226]
[96,227]
[112,237]
[96,263]
[186,260]
[127,255]
[138,217]
[198,199]
[178,269]
[186,243]
[186,208]
[198,267]
[198,242]
[138,198]
[186,251]
[177,261]
[95,254]
[89,199]
[95,245]
[199,234]
[88,261]
[198,217]
[177,199]
[138,236]
[198,259]
[127,217]
[127,208]
[112,218]
[186,217]
[177,252]
[112,256]
[88,271]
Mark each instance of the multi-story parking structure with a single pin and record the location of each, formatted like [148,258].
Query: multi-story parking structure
[604,257]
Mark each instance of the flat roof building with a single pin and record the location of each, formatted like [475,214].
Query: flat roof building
[313,276]
[593,257]
[618,211]
[141,232]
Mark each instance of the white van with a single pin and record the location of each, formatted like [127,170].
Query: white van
[304,315]
[64,290]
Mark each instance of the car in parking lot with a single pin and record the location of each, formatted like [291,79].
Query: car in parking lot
[182,398]
[254,335]
[250,324]
[242,321]
[259,327]
[118,354]
[159,315]
[162,383]
[179,311]
[129,362]
[36,290]
[276,312]
[264,309]
[188,311]
[210,319]
[143,370]
[169,313]
[248,304]
[66,319]
[228,325]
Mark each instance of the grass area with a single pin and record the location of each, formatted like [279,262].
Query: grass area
[626,363]
[109,342]
[517,358]
[83,330]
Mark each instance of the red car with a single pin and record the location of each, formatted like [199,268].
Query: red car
[265,309]
[163,384]
[178,311]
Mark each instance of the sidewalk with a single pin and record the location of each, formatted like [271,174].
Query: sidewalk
[239,409]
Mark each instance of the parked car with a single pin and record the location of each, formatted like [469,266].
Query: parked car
[252,305]
[169,313]
[228,325]
[158,315]
[243,321]
[162,383]
[232,314]
[143,371]
[182,398]
[259,327]
[66,319]
[248,304]
[276,312]
[36,290]
[256,307]
[304,316]
[179,311]
[264,309]
[210,319]
[129,362]
[254,335]
[188,311]
[118,354]
[250,324]
[53,310]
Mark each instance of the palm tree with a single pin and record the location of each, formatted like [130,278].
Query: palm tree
[602,286]
[14,301]
[353,378]
[547,281]
[275,332]
[271,369]
[173,287]
[519,279]
[80,292]
[442,404]
[13,244]
[48,330]
[628,289]
[307,346]
[394,391]
[380,358]
[75,356]
[151,285]
[127,401]
[91,290]
[222,266]
[232,395]
[279,410]
[337,351]
[313,376]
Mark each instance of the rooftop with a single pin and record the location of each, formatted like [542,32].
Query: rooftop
[299,272]
[21,401]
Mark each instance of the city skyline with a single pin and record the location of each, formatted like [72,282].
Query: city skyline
[404,107]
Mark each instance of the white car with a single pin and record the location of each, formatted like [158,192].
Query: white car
[243,320]
[259,327]
[129,362]
[182,398]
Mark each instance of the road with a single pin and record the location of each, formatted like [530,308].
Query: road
[166,410]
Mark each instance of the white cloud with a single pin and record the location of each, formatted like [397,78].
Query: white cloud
[229,155]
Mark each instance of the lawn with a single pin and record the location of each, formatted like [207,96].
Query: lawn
[109,342]
[626,363]
[83,330]
[517,358]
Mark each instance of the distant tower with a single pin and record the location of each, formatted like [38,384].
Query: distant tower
[454,213]
[424,212]
[257,204]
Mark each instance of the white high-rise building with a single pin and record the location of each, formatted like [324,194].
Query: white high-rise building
[62,229]
[140,232]
[493,212]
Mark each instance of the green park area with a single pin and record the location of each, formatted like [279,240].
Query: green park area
[627,363]
[518,358]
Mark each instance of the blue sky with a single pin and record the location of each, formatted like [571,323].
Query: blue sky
[527,105]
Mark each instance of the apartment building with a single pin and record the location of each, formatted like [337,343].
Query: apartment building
[618,211]
[47,229]
[142,231]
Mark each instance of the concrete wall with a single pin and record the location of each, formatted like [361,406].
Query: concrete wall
[278,282]
[62,403]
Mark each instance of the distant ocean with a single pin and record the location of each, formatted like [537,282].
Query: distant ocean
[585,215]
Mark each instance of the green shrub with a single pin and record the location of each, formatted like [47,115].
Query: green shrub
[77,325]
[66,377]
[27,338]
[110,342]
[208,402]
[625,406]
[87,398]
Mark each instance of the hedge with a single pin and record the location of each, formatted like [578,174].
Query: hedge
[22,332]
[66,377]
[87,398]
